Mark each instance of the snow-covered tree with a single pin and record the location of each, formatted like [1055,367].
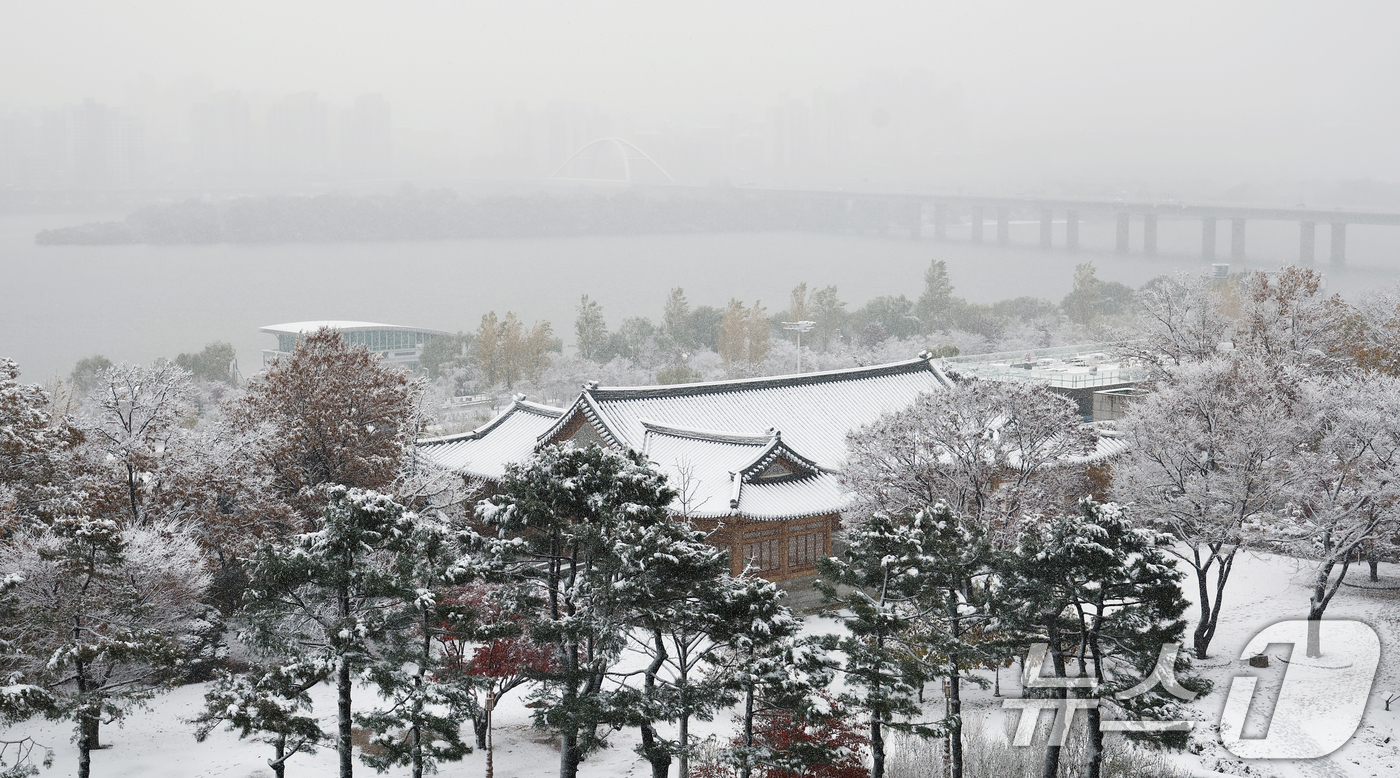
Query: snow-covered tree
[581,535]
[1347,487]
[1103,595]
[989,449]
[34,448]
[330,597]
[19,700]
[419,726]
[134,419]
[774,670]
[1212,447]
[267,701]
[328,413]
[681,621]
[905,608]
[102,610]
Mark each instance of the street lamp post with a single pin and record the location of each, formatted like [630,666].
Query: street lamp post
[799,327]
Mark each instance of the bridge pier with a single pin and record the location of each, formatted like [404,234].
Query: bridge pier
[1123,222]
[1237,239]
[1208,237]
[916,220]
[1046,220]
[1339,244]
[1307,242]
[976,224]
[1003,225]
[1072,230]
[1149,234]
[940,221]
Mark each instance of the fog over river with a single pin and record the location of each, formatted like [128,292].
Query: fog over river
[139,302]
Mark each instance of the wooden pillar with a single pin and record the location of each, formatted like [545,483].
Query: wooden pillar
[1307,242]
[1123,222]
[1046,219]
[976,224]
[1149,234]
[940,221]
[1003,225]
[1072,230]
[1208,237]
[1339,244]
[1237,239]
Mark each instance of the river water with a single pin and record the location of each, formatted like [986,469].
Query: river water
[136,303]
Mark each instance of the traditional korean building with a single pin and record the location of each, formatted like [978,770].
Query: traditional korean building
[755,460]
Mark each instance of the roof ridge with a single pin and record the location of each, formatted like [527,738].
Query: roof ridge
[517,404]
[696,433]
[762,382]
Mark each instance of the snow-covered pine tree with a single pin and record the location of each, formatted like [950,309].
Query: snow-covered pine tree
[907,584]
[575,527]
[102,611]
[674,621]
[774,671]
[330,596]
[1104,595]
[268,701]
[19,701]
[420,726]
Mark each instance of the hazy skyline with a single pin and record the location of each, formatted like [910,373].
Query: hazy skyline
[1101,91]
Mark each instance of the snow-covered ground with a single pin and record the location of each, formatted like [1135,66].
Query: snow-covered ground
[1264,589]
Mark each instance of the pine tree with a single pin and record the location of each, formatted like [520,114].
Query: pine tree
[103,609]
[1104,596]
[425,703]
[679,619]
[904,592]
[269,701]
[676,330]
[327,598]
[576,531]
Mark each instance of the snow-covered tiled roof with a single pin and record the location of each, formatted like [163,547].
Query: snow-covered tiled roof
[761,448]
[722,474]
[485,451]
[815,411]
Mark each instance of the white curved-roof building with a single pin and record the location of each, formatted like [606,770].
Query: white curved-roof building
[396,344]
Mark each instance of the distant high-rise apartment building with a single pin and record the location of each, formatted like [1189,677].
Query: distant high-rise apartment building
[366,136]
[221,137]
[107,146]
[297,137]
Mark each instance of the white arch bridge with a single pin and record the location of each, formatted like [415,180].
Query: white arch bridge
[611,160]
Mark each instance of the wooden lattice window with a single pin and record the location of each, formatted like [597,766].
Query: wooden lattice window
[804,550]
[762,555]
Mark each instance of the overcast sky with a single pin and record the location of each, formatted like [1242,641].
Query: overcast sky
[1245,88]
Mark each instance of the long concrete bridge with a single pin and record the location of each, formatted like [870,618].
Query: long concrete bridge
[913,211]
[1000,209]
